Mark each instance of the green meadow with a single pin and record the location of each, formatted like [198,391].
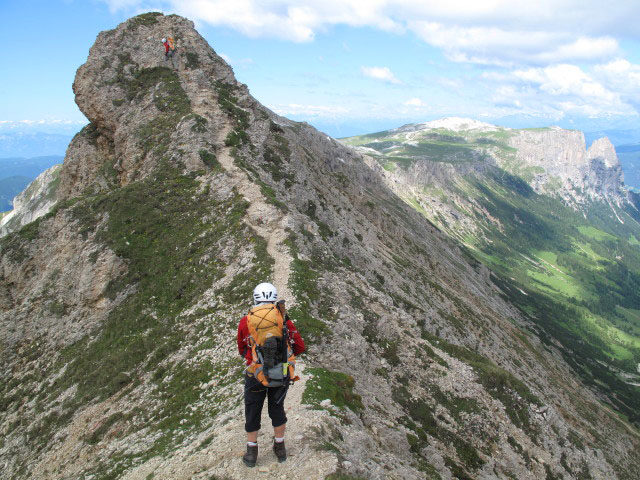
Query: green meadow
[574,273]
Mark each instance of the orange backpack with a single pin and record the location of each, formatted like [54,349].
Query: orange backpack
[273,363]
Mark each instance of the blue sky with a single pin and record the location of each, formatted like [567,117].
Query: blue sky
[354,66]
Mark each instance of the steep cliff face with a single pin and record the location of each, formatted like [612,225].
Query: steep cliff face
[120,306]
[567,169]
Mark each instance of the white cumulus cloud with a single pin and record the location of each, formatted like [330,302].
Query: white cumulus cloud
[490,32]
[549,56]
[380,73]
[557,90]
[623,77]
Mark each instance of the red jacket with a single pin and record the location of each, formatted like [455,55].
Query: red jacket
[297,344]
[166,47]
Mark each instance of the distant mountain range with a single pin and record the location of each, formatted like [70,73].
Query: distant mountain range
[629,156]
[17,173]
[617,137]
[9,188]
[27,167]
[32,144]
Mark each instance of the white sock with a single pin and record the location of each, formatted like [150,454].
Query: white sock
[252,444]
[279,440]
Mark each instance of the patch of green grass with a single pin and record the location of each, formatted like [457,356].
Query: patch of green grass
[594,233]
[16,244]
[210,160]
[332,385]
[229,103]
[148,19]
[304,284]
[457,406]
[192,60]
[168,97]
[178,387]
[236,138]
[199,123]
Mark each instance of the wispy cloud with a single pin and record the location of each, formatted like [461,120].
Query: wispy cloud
[42,122]
[59,126]
[415,102]
[380,73]
[324,111]
[488,45]
[240,62]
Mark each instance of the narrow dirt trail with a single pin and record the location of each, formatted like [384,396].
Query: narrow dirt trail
[222,457]
[268,221]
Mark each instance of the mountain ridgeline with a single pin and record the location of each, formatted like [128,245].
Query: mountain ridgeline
[553,218]
[120,304]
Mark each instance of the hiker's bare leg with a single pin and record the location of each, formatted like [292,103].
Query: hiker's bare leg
[252,436]
[278,432]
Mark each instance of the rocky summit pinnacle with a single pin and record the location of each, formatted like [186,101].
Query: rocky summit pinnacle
[119,307]
[137,99]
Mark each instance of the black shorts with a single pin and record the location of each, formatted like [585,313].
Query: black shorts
[254,395]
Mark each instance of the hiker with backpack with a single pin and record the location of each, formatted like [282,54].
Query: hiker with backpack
[165,44]
[268,341]
[169,49]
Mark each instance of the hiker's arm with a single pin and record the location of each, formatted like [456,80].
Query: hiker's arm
[296,340]
[243,332]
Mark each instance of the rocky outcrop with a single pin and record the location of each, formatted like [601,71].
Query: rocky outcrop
[568,169]
[185,192]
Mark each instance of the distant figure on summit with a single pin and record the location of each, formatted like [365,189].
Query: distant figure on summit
[169,49]
[268,341]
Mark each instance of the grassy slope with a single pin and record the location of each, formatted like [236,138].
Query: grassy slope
[581,275]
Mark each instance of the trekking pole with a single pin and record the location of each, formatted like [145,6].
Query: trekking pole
[284,394]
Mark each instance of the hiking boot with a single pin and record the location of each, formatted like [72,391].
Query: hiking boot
[251,457]
[280,451]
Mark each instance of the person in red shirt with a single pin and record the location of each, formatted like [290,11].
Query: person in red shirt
[255,393]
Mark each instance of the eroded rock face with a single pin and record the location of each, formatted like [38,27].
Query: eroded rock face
[570,171]
[113,90]
[121,306]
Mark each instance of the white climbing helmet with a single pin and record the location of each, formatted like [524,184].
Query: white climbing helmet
[164,40]
[265,292]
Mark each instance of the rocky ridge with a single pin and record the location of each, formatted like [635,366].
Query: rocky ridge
[119,306]
[553,161]
[35,201]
